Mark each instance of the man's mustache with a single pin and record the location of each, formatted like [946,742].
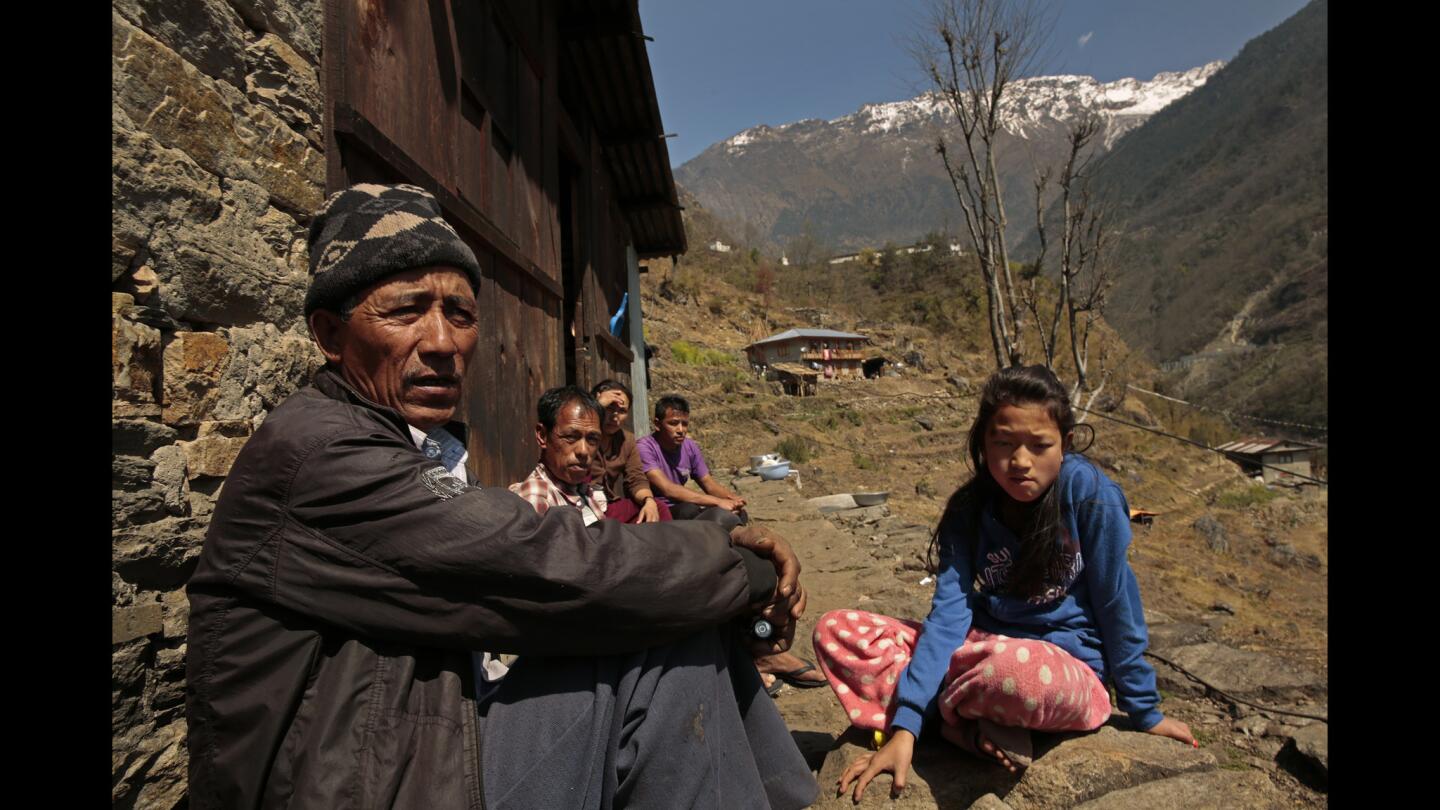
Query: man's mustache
[431,377]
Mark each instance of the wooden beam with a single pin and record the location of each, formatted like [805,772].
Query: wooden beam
[355,128]
[570,140]
[613,344]
[599,30]
[626,138]
[643,203]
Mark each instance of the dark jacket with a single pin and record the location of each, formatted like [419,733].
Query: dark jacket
[345,581]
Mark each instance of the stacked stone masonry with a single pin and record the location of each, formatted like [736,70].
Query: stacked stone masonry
[218,161]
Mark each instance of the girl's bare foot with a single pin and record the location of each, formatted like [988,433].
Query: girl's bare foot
[967,735]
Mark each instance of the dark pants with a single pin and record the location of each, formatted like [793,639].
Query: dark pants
[694,511]
[685,724]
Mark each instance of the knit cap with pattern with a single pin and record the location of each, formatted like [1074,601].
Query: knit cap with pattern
[369,231]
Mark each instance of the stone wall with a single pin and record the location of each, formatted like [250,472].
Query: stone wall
[218,162]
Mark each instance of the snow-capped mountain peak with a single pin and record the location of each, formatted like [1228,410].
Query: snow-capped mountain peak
[1030,103]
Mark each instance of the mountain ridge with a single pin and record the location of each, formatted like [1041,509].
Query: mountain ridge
[832,177]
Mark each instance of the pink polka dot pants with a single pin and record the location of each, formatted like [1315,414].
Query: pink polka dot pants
[1015,682]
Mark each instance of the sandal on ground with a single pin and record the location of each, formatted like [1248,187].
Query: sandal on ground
[773,690]
[793,677]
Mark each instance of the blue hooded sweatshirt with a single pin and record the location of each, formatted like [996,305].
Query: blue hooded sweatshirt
[1093,612]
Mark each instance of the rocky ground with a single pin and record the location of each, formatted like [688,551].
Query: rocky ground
[1249,757]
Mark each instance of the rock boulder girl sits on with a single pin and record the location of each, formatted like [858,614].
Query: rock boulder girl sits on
[1035,604]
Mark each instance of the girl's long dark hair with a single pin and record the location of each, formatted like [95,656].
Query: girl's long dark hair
[1039,544]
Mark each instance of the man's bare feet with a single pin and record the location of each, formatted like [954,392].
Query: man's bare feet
[967,734]
[791,669]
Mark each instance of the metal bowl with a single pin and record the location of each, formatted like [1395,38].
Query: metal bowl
[773,472]
[869,498]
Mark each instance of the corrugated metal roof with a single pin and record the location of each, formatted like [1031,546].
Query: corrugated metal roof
[1251,447]
[807,333]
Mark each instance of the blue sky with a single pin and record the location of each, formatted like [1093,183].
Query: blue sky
[721,67]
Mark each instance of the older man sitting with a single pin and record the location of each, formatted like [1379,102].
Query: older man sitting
[568,430]
[350,569]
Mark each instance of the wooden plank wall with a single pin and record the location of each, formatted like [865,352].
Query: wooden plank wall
[403,104]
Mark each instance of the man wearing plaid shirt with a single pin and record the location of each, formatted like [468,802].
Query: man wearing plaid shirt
[568,430]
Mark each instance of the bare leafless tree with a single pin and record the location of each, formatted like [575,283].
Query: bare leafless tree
[1085,277]
[1031,292]
[972,51]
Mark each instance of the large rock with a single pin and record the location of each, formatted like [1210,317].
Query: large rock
[226,272]
[941,775]
[1242,673]
[193,363]
[283,81]
[175,607]
[212,121]
[208,33]
[1076,770]
[1286,556]
[159,555]
[215,448]
[856,518]
[155,770]
[1307,755]
[130,474]
[266,366]
[1167,634]
[136,507]
[171,478]
[122,593]
[167,682]
[1210,529]
[833,503]
[1208,790]
[129,661]
[151,184]
[1090,765]
[298,22]
[139,437]
[137,621]
[134,360]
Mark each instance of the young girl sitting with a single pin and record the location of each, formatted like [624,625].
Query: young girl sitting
[1035,604]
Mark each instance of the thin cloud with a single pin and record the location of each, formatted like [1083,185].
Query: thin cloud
[1085,38]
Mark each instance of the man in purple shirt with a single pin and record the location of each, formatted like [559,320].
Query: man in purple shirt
[670,459]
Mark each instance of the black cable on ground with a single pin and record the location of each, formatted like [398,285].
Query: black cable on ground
[1196,678]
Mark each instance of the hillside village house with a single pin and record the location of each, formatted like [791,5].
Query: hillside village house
[1289,456]
[955,249]
[829,354]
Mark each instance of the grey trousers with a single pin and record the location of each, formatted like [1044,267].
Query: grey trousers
[683,725]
